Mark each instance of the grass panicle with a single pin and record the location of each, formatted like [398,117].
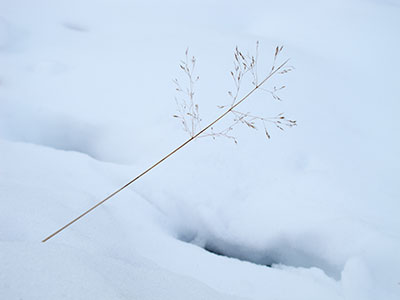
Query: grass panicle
[244,65]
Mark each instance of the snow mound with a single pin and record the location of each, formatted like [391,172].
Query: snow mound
[37,271]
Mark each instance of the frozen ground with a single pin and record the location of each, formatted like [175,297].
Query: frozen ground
[86,103]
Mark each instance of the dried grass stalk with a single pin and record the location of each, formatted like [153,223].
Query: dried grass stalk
[188,110]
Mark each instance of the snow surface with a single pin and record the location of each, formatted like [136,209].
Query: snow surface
[86,104]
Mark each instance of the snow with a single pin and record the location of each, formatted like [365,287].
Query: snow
[80,275]
[86,104]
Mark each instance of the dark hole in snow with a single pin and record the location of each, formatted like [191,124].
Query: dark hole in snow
[280,253]
[215,251]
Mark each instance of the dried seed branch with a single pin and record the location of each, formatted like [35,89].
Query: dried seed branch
[188,110]
[188,67]
[244,64]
